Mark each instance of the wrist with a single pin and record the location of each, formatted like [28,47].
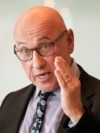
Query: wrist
[77,115]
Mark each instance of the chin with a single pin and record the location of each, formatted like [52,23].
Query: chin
[49,88]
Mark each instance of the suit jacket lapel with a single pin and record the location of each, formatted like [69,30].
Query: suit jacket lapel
[87,92]
[22,99]
[24,103]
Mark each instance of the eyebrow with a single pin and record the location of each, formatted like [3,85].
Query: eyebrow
[20,42]
[42,38]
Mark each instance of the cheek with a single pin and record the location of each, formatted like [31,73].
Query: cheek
[50,62]
[27,68]
[63,52]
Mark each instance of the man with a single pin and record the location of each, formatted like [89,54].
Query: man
[44,46]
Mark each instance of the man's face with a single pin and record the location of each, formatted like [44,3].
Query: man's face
[40,69]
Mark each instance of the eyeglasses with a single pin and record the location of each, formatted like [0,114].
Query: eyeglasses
[47,49]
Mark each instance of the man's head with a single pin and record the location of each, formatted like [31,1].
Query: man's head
[42,30]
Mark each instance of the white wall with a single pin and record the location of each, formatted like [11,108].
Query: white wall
[82,16]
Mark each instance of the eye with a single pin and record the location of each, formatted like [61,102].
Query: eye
[46,46]
[24,50]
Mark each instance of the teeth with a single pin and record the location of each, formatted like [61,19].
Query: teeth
[43,76]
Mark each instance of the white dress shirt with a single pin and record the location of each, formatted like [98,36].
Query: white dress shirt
[53,112]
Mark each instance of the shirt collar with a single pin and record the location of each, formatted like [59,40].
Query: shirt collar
[36,93]
[55,92]
[75,68]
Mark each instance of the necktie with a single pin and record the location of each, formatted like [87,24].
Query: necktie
[39,115]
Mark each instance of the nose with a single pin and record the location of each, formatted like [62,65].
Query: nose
[38,61]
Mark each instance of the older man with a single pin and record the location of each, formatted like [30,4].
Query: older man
[44,46]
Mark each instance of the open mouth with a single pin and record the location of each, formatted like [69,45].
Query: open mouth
[44,75]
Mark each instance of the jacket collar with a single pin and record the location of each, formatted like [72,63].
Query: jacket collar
[87,92]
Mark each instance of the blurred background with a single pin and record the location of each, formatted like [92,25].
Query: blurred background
[82,16]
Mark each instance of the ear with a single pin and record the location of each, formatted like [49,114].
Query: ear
[70,41]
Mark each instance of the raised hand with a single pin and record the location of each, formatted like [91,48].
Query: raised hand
[70,90]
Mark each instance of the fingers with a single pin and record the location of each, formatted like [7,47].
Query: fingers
[63,72]
[59,77]
[62,66]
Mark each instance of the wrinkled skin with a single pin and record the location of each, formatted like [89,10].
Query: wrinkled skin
[47,73]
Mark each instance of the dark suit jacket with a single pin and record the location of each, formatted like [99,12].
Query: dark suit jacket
[15,104]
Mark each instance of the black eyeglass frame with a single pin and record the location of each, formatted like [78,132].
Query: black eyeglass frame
[37,48]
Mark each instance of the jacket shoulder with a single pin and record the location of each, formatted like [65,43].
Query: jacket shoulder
[15,96]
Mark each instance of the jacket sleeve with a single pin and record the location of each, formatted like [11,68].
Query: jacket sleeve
[87,124]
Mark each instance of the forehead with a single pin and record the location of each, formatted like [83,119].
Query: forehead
[34,36]
[33,19]
[36,25]
[35,33]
